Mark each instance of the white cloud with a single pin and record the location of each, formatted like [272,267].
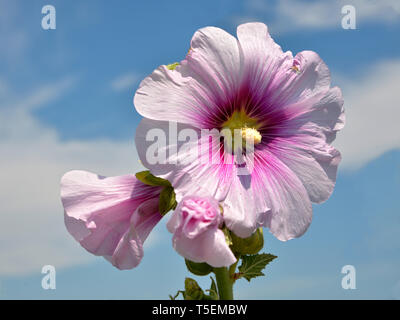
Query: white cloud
[372,114]
[124,82]
[292,15]
[44,94]
[32,161]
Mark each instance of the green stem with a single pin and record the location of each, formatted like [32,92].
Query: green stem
[232,268]
[224,283]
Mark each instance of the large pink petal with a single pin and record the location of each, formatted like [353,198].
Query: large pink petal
[85,194]
[265,65]
[322,114]
[199,86]
[129,251]
[282,191]
[275,78]
[312,78]
[167,95]
[215,59]
[313,161]
[263,59]
[244,208]
[304,143]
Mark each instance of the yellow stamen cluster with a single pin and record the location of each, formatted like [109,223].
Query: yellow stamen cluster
[247,127]
[251,135]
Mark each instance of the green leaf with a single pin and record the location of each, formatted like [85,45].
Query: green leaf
[177,295]
[193,290]
[167,200]
[252,265]
[147,178]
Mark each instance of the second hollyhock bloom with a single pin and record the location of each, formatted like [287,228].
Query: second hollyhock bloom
[110,217]
[195,224]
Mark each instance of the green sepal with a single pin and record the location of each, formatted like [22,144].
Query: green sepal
[147,178]
[228,237]
[252,265]
[250,245]
[199,269]
[167,200]
[172,66]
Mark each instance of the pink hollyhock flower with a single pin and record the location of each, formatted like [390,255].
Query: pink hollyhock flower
[110,217]
[195,224]
[285,102]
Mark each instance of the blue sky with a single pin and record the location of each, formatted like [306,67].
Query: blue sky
[66,103]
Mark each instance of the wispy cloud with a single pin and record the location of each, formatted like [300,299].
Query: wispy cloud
[124,82]
[372,112]
[292,15]
[32,161]
[45,94]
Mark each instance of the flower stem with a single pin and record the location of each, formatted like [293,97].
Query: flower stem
[232,268]
[224,283]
